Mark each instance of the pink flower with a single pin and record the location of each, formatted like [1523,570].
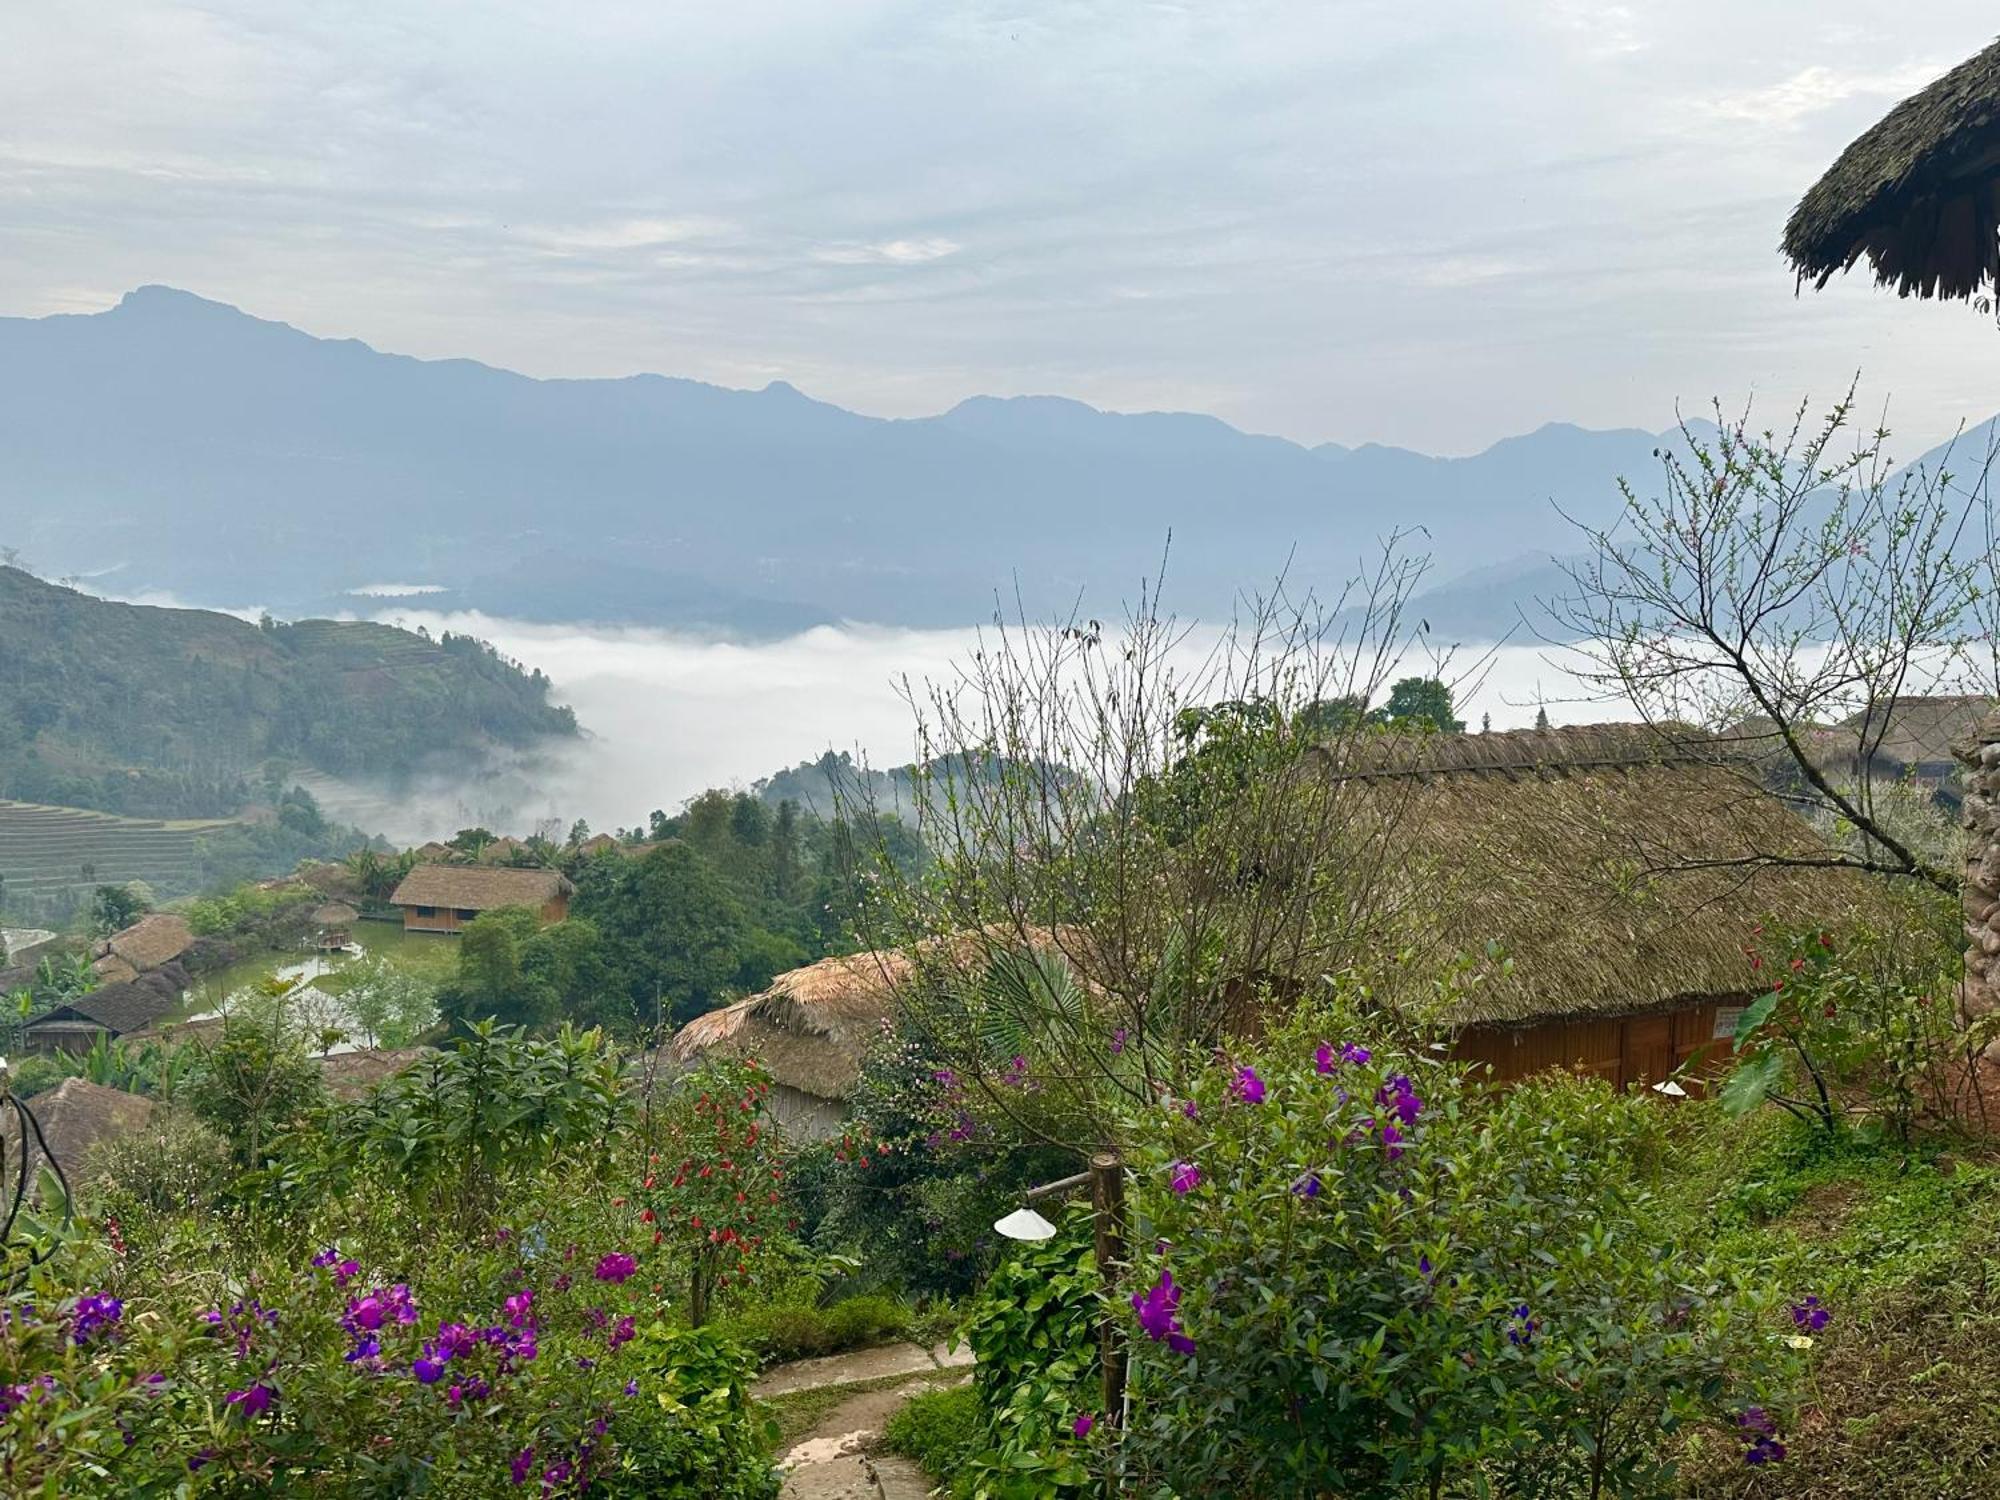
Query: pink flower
[1082,1425]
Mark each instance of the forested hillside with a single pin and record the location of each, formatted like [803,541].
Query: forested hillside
[174,712]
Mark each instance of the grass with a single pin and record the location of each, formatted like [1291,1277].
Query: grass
[939,1430]
[1901,1399]
[799,1412]
[788,1331]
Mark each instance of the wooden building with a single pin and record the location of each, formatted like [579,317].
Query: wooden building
[1602,883]
[109,1011]
[444,898]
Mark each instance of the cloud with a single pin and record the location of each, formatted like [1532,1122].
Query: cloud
[622,234]
[1787,103]
[888,252]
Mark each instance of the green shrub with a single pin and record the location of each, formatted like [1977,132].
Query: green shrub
[803,1331]
[1360,1277]
[940,1430]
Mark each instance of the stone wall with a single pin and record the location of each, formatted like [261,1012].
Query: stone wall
[1981,891]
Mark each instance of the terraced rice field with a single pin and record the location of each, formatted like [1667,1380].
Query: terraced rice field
[47,851]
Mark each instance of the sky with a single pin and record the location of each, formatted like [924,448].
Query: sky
[1353,220]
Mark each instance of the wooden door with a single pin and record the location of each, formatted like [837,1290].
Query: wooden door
[1648,1053]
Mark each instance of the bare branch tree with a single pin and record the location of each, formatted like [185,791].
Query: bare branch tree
[1794,594]
[1135,809]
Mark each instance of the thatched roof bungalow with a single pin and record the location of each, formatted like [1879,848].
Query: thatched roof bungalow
[444,898]
[1619,876]
[75,1116]
[111,1010]
[1918,194]
[147,944]
[811,1029]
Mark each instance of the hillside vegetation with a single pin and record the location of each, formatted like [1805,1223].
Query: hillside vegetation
[170,712]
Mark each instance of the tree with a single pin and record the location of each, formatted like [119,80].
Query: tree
[1172,844]
[388,1005]
[1789,594]
[113,908]
[255,1080]
[492,980]
[1419,703]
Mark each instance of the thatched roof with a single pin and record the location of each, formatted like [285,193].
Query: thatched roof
[152,941]
[1918,194]
[1917,731]
[1607,863]
[111,969]
[811,1029]
[432,853]
[351,1074]
[335,914]
[76,1115]
[479,887]
[119,1008]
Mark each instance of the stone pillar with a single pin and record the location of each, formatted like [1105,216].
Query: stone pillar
[1980,894]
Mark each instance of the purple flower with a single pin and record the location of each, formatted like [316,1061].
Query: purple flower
[1764,1450]
[325,1258]
[1082,1425]
[622,1334]
[1189,1110]
[1758,1430]
[1118,1041]
[1521,1328]
[254,1402]
[429,1368]
[1326,1059]
[1248,1086]
[366,1312]
[518,1308]
[631,1387]
[1184,1178]
[1157,1307]
[523,1462]
[1351,1053]
[1392,1138]
[1017,1071]
[1323,1061]
[366,1346]
[616,1268]
[93,1313]
[1811,1314]
[1424,1267]
[1307,1186]
[345,1272]
[1399,1098]
[455,1339]
[200,1460]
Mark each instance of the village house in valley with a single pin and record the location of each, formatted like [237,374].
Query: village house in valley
[444,898]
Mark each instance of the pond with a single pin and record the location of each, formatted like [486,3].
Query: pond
[430,957]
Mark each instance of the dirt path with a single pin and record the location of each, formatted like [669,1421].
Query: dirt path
[841,1458]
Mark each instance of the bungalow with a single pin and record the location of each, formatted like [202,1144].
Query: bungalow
[75,1116]
[443,898]
[1603,882]
[110,1011]
[811,1030]
[147,944]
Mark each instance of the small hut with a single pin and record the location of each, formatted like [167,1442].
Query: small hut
[349,1075]
[1918,194]
[811,1030]
[147,944]
[444,898]
[110,1011]
[76,1115]
[333,926]
[1618,877]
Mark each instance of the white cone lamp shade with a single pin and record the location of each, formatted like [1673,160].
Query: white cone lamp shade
[1025,1224]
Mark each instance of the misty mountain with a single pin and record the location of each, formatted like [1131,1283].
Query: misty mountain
[175,444]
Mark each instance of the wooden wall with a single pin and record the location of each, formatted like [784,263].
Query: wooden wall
[1626,1051]
[446,918]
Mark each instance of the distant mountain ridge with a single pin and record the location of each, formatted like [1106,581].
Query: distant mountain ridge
[176,444]
[174,712]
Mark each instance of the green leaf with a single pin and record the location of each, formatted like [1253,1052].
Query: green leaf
[1751,1083]
[1754,1015]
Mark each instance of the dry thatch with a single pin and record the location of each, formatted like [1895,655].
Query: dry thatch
[76,1115]
[1919,194]
[1917,731]
[152,941]
[811,1029]
[348,1075]
[432,853]
[117,1008]
[1613,869]
[335,914]
[479,887]
[111,969]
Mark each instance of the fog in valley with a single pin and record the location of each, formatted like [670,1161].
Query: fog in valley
[667,715]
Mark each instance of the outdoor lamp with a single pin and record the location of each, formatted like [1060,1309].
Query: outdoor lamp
[1025,1224]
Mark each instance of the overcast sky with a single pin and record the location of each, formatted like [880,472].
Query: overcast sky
[1430,224]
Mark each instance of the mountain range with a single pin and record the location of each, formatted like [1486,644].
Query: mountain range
[176,446]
